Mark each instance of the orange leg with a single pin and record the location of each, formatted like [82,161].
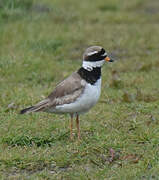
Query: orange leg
[71,126]
[78,127]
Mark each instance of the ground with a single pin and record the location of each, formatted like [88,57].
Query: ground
[41,43]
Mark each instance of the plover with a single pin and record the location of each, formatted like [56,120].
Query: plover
[79,92]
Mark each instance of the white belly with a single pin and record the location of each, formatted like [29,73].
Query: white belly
[82,104]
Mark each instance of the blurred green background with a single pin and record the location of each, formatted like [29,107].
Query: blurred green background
[41,43]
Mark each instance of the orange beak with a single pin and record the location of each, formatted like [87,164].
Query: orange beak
[108,59]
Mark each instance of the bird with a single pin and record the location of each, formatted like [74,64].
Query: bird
[79,92]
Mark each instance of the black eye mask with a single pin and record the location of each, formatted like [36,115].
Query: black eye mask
[96,57]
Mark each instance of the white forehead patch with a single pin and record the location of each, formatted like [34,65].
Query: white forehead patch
[91,53]
[104,54]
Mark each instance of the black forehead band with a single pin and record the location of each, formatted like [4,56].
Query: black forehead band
[102,51]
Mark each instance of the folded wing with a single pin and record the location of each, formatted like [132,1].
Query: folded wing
[65,92]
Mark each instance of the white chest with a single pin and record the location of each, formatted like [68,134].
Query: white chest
[82,104]
[90,96]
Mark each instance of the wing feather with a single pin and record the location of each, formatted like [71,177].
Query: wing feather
[65,92]
[68,90]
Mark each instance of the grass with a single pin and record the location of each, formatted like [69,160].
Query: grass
[41,44]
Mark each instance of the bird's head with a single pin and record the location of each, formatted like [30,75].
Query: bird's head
[95,56]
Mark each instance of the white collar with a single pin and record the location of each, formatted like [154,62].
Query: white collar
[89,65]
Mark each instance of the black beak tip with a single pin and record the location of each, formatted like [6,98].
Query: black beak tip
[111,60]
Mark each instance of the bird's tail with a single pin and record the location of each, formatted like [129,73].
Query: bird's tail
[38,107]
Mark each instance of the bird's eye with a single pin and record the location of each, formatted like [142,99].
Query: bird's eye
[105,54]
[102,51]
